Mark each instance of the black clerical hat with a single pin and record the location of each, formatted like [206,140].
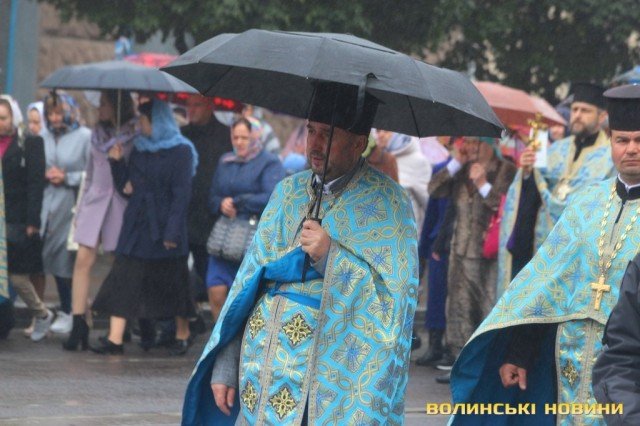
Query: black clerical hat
[589,93]
[623,105]
[341,102]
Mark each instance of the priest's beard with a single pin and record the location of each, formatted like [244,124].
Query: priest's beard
[581,131]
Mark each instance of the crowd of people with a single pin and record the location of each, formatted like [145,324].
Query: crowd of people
[499,243]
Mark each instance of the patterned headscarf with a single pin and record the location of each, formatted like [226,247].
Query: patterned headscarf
[70,111]
[255,143]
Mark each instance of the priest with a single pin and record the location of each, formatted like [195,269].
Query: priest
[537,197]
[334,346]
[541,340]
[616,374]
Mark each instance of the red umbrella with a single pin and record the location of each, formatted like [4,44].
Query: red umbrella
[158,60]
[151,59]
[515,107]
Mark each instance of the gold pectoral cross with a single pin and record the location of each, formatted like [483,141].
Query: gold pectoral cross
[600,287]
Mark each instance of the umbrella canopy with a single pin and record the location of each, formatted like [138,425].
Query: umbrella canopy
[151,59]
[516,107]
[279,70]
[115,75]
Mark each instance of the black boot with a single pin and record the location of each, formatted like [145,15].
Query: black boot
[79,335]
[435,352]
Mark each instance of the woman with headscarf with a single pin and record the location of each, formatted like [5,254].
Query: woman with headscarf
[241,187]
[66,146]
[99,214]
[36,119]
[149,278]
[475,180]
[23,169]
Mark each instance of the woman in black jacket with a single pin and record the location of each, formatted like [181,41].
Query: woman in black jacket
[23,170]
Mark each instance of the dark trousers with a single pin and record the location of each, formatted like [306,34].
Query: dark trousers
[437,293]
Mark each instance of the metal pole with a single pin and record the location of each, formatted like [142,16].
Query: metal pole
[11,51]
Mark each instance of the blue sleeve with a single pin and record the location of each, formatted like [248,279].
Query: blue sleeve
[180,194]
[215,197]
[254,203]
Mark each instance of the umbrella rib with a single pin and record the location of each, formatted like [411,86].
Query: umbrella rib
[413,115]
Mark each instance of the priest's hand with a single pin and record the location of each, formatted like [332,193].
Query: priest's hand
[528,159]
[314,240]
[512,375]
[224,396]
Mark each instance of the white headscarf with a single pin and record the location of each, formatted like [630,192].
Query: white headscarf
[39,106]
[15,110]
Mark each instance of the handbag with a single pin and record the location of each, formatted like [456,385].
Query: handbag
[492,235]
[230,238]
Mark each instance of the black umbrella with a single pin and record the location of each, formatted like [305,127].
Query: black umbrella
[115,75]
[279,70]
[282,71]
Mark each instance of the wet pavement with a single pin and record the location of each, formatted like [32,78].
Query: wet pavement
[40,384]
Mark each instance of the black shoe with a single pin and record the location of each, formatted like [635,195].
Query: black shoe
[446,363]
[444,380]
[180,346]
[416,342]
[107,347]
[79,335]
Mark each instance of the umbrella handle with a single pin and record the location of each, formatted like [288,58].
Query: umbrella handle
[307,258]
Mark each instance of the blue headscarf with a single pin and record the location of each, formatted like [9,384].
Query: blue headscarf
[165,133]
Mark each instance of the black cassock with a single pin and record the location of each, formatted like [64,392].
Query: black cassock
[616,374]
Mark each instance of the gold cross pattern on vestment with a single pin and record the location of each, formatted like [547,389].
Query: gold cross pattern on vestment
[563,190]
[600,287]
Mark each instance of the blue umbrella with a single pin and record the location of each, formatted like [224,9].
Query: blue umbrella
[629,77]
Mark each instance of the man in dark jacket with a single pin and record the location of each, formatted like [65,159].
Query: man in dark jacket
[211,139]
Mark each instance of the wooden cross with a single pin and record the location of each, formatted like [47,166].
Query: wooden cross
[600,287]
[563,190]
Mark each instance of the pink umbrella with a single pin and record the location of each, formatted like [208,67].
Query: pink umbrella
[515,107]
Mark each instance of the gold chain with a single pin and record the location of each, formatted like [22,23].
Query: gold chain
[604,267]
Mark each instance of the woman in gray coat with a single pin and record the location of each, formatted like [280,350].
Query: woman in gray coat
[66,147]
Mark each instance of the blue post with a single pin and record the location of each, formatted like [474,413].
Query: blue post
[11,51]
